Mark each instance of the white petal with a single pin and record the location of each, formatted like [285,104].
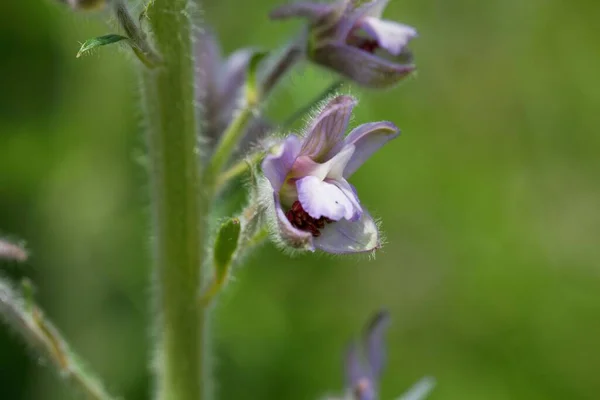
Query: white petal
[390,35]
[346,236]
[333,169]
[323,199]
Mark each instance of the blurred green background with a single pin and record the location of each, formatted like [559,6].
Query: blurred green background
[490,201]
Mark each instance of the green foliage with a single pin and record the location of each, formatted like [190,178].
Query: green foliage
[226,245]
[99,41]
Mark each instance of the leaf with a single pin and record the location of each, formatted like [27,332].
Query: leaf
[225,246]
[99,41]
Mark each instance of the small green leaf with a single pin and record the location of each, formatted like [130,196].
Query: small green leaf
[91,44]
[252,87]
[225,246]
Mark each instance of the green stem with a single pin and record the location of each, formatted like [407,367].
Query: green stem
[238,169]
[136,36]
[29,321]
[228,142]
[178,211]
[256,93]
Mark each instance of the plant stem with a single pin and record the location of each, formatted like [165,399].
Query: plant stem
[230,139]
[254,97]
[239,168]
[178,210]
[29,321]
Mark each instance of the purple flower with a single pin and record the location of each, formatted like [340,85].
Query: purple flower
[354,40]
[362,377]
[219,86]
[364,365]
[314,205]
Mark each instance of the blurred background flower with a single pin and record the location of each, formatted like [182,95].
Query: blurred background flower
[490,206]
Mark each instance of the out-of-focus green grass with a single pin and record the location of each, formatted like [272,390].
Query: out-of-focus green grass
[489,200]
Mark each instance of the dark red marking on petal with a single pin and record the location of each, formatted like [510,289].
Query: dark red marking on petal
[301,220]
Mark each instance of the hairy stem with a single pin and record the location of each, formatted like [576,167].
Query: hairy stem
[238,169]
[29,321]
[178,210]
[256,93]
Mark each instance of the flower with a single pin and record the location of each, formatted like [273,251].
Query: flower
[219,84]
[362,380]
[313,204]
[364,364]
[355,41]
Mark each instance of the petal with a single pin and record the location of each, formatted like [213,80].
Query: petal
[351,194]
[208,62]
[353,366]
[334,168]
[356,13]
[360,66]
[328,128]
[390,35]
[325,199]
[291,236]
[234,75]
[312,11]
[345,236]
[374,342]
[360,385]
[278,164]
[367,139]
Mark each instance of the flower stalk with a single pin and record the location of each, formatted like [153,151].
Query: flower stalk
[178,210]
[29,321]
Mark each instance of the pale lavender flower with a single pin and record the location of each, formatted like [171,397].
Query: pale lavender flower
[352,39]
[364,370]
[365,361]
[219,87]
[313,203]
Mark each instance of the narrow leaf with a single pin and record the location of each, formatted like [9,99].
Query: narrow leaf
[225,247]
[93,43]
